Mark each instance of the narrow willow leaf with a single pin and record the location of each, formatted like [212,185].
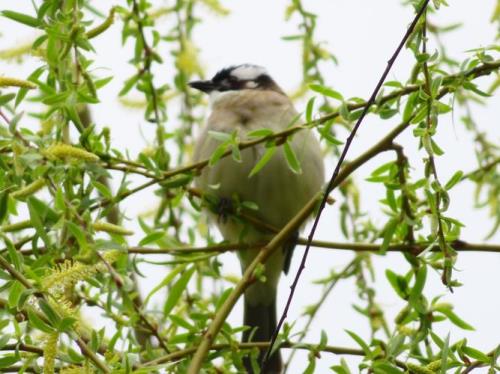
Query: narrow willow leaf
[152,237]
[416,291]
[453,180]
[476,354]
[260,133]
[38,323]
[309,109]
[176,291]
[361,343]
[35,216]
[221,136]
[263,161]
[8,360]
[389,230]
[410,107]
[456,320]
[326,91]
[4,199]
[218,153]
[21,18]
[444,355]
[15,293]
[398,283]
[168,278]
[291,159]
[4,99]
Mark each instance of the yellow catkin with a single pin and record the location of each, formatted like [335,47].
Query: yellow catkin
[50,352]
[434,365]
[14,82]
[417,369]
[103,26]
[187,59]
[63,151]
[407,331]
[16,226]
[29,190]
[110,228]
[16,53]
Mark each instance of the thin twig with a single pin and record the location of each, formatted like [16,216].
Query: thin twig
[330,186]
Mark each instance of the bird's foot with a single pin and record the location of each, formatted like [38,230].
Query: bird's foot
[223,209]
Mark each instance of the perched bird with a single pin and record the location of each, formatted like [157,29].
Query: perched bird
[245,98]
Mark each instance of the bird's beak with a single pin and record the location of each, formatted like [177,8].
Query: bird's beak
[204,86]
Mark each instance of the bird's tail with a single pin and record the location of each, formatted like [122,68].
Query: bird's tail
[262,320]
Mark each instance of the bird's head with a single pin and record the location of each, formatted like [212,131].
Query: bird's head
[237,78]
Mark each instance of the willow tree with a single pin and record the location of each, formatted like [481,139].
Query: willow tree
[67,247]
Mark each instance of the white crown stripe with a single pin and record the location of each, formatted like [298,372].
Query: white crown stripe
[248,72]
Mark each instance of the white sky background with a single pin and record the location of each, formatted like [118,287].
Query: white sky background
[362,34]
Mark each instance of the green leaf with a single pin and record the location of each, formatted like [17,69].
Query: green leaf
[79,234]
[291,158]
[178,181]
[473,87]
[444,354]
[342,368]
[398,283]
[456,320]
[389,230]
[386,368]
[36,220]
[326,91]
[476,354]
[15,293]
[4,99]
[235,152]
[49,312]
[223,298]
[129,84]
[152,237]
[21,18]
[309,109]
[260,133]
[218,153]
[38,323]
[457,177]
[14,256]
[103,189]
[218,135]
[361,343]
[325,133]
[176,291]
[410,106]
[168,278]
[4,199]
[263,161]
[416,291]
[9,360]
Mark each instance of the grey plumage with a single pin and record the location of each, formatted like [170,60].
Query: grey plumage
[257,102]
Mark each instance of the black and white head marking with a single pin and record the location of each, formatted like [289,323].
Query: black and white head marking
[239,77]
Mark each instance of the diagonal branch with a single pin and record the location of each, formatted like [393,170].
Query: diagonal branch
[331,183]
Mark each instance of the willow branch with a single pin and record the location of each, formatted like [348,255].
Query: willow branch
[177,355]
[279,137]
[415,248]
[335,174]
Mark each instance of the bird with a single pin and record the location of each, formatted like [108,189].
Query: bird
[244,98]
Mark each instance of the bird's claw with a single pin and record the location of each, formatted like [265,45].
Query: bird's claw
[223,209]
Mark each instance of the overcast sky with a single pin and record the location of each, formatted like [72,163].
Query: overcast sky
[362,34]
